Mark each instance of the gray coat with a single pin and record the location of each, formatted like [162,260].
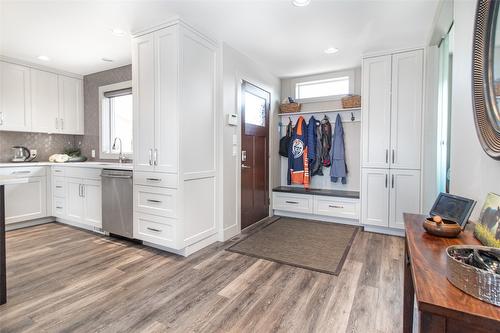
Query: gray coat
[339,167]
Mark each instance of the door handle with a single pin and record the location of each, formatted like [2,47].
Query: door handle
[83,190]
[243,166]
[156,157]
[154,179]
[392,181]
[292,202]
[386,181]
[151,157]
[153,229]
[387,156]
[393,156]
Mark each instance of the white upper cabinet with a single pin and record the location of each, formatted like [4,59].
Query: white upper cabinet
[44,101]
[406,115]
[70,105]
[15,100]
[143,81]
[376,122]
[33,100]
[392,110]
[166,125]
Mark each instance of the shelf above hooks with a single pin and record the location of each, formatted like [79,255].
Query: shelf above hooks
[318,111]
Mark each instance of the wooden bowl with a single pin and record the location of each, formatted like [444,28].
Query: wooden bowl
[445,229]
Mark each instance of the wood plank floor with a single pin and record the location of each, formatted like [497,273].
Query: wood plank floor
[62,279]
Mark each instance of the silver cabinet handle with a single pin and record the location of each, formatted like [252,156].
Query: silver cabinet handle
[335,206]
[57,123]
[153,200]
[116,176]
[59,207]
[83,190]
[58,186]
[386,181]
[292,202]
[21,172]
[62,123]
[393,156]
[392,181]
[58,171]
[156,157]
[243,166]
[80,190]
[1,118]
[154,179]
[387,156]
[153,229]
[150,157]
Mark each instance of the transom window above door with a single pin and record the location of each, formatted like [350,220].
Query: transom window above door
[116,120]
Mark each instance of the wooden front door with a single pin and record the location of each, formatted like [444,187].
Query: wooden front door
[254,154]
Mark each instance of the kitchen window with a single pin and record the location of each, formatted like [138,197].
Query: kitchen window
[116,120]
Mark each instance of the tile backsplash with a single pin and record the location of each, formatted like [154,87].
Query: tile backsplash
[45,144]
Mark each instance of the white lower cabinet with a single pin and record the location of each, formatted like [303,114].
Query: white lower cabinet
[404,196]
[74,210]
[26,201]
[291,202]
[336,207]
[83,201]
[156,229]
[388,193]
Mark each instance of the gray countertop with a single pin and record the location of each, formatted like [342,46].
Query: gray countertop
[314,191]
[98,165]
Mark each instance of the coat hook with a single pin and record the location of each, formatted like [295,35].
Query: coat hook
[352,116]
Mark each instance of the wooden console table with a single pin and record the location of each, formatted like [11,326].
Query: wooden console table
[442,307]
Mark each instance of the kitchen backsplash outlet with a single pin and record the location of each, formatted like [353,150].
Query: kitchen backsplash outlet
[45,144]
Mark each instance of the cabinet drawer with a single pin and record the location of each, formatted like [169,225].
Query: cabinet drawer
[86,173]
[59,187]
[293,202]
[156,201]
[58,171]
[59,207]
[155,229]
[155,179]
[336,207]
[23,172]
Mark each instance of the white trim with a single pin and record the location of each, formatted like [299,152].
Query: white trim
[385,230]
[30,223]
[391,52]
[102,90]
[39,67]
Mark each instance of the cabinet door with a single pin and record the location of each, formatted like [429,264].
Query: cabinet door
[74,199]
[70,105]
[44,102]
[376,113]
[26,201]
[165,156]
[92,203]
[404,197]
[15,99]
[406,114]
[143,78]
[375,197]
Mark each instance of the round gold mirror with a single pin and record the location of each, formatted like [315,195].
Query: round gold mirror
[486,76]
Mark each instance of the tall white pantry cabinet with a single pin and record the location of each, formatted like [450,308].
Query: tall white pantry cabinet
[175,151]
[391,137]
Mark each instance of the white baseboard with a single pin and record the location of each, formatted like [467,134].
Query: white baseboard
[317,217]
[230,232]
[188,250]
[385,230]
[30,223]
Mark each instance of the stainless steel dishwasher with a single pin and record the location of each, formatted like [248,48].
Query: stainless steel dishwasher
[117,202]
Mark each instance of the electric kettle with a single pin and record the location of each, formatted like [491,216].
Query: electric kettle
[21,154]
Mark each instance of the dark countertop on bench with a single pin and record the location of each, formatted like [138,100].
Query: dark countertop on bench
[315,191]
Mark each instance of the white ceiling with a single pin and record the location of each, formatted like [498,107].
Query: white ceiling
[287,40]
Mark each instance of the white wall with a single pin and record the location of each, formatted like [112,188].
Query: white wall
[237,67]
[473,173]
[352,134]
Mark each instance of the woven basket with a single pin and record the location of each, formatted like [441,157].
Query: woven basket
[352,101]
[290,107]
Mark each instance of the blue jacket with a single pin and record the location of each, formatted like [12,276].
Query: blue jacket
[311,140]
[339,168]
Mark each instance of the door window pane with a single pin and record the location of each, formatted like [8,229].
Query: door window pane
[255,110]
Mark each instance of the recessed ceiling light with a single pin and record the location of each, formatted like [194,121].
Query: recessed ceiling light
[107,59]
[44,58]
[118,32]
[331,50]
[301,3]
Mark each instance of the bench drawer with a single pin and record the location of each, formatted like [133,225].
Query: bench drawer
[293,202]
[336,207]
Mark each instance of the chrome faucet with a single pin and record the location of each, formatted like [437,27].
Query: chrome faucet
[121,158]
